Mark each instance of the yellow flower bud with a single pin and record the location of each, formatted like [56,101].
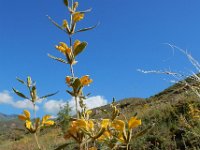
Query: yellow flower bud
[75,5]
[64,45]
[45,118]
[105,123]
[105,135]
[27,114]
[81,123]
[68,80]
[77,16]
[63,48]
[121,137]
[22,117]
[134,122]
[92,148]
[90,125]
[49,123]
[65,24]
[73,128]
[118,125]
[28,124]
[85,80]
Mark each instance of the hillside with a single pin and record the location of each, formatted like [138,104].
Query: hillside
[7,117]
[9,122]
[169,111]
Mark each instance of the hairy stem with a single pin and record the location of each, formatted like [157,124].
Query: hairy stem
[76,101]
[72,70]
[34,110]
[36,139]
[127,147]
[71,65]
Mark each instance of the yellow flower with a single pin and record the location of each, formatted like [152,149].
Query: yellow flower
[105,123]
[87,125]
[90,125]
[76,43]
[85,80]
[92,148]
[73,128]
[194,112]
[65,24]
[63,48]
[68,80]
[49,123]
[121,137]
[25,116]
[46,121]
[77,16]
[118,125]
[77,125]
[28,124]
[81,123]
[104,136]
[134,122]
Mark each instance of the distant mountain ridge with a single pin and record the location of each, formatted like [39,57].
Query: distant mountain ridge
[5,117]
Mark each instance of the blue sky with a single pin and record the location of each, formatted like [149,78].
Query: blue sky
[130,36]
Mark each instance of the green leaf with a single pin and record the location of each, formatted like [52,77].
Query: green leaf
[21,81]
[76,85]
[80,48]
[48,95]
[86,29]
[58,59]
[20,94]
[66,2]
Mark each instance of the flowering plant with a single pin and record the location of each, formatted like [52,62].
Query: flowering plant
[33,125]
[84,130]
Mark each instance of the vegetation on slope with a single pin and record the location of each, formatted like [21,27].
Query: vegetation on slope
[173,114]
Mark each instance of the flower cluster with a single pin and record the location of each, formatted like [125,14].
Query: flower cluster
[103,131]
[33,127]
[71,52]
[194,112]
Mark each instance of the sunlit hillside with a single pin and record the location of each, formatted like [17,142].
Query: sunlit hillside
[166,116]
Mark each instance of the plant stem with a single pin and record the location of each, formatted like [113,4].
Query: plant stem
[34,110]
[127,147]
[36,139]
[72,70]
[35,134]
[76,101]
